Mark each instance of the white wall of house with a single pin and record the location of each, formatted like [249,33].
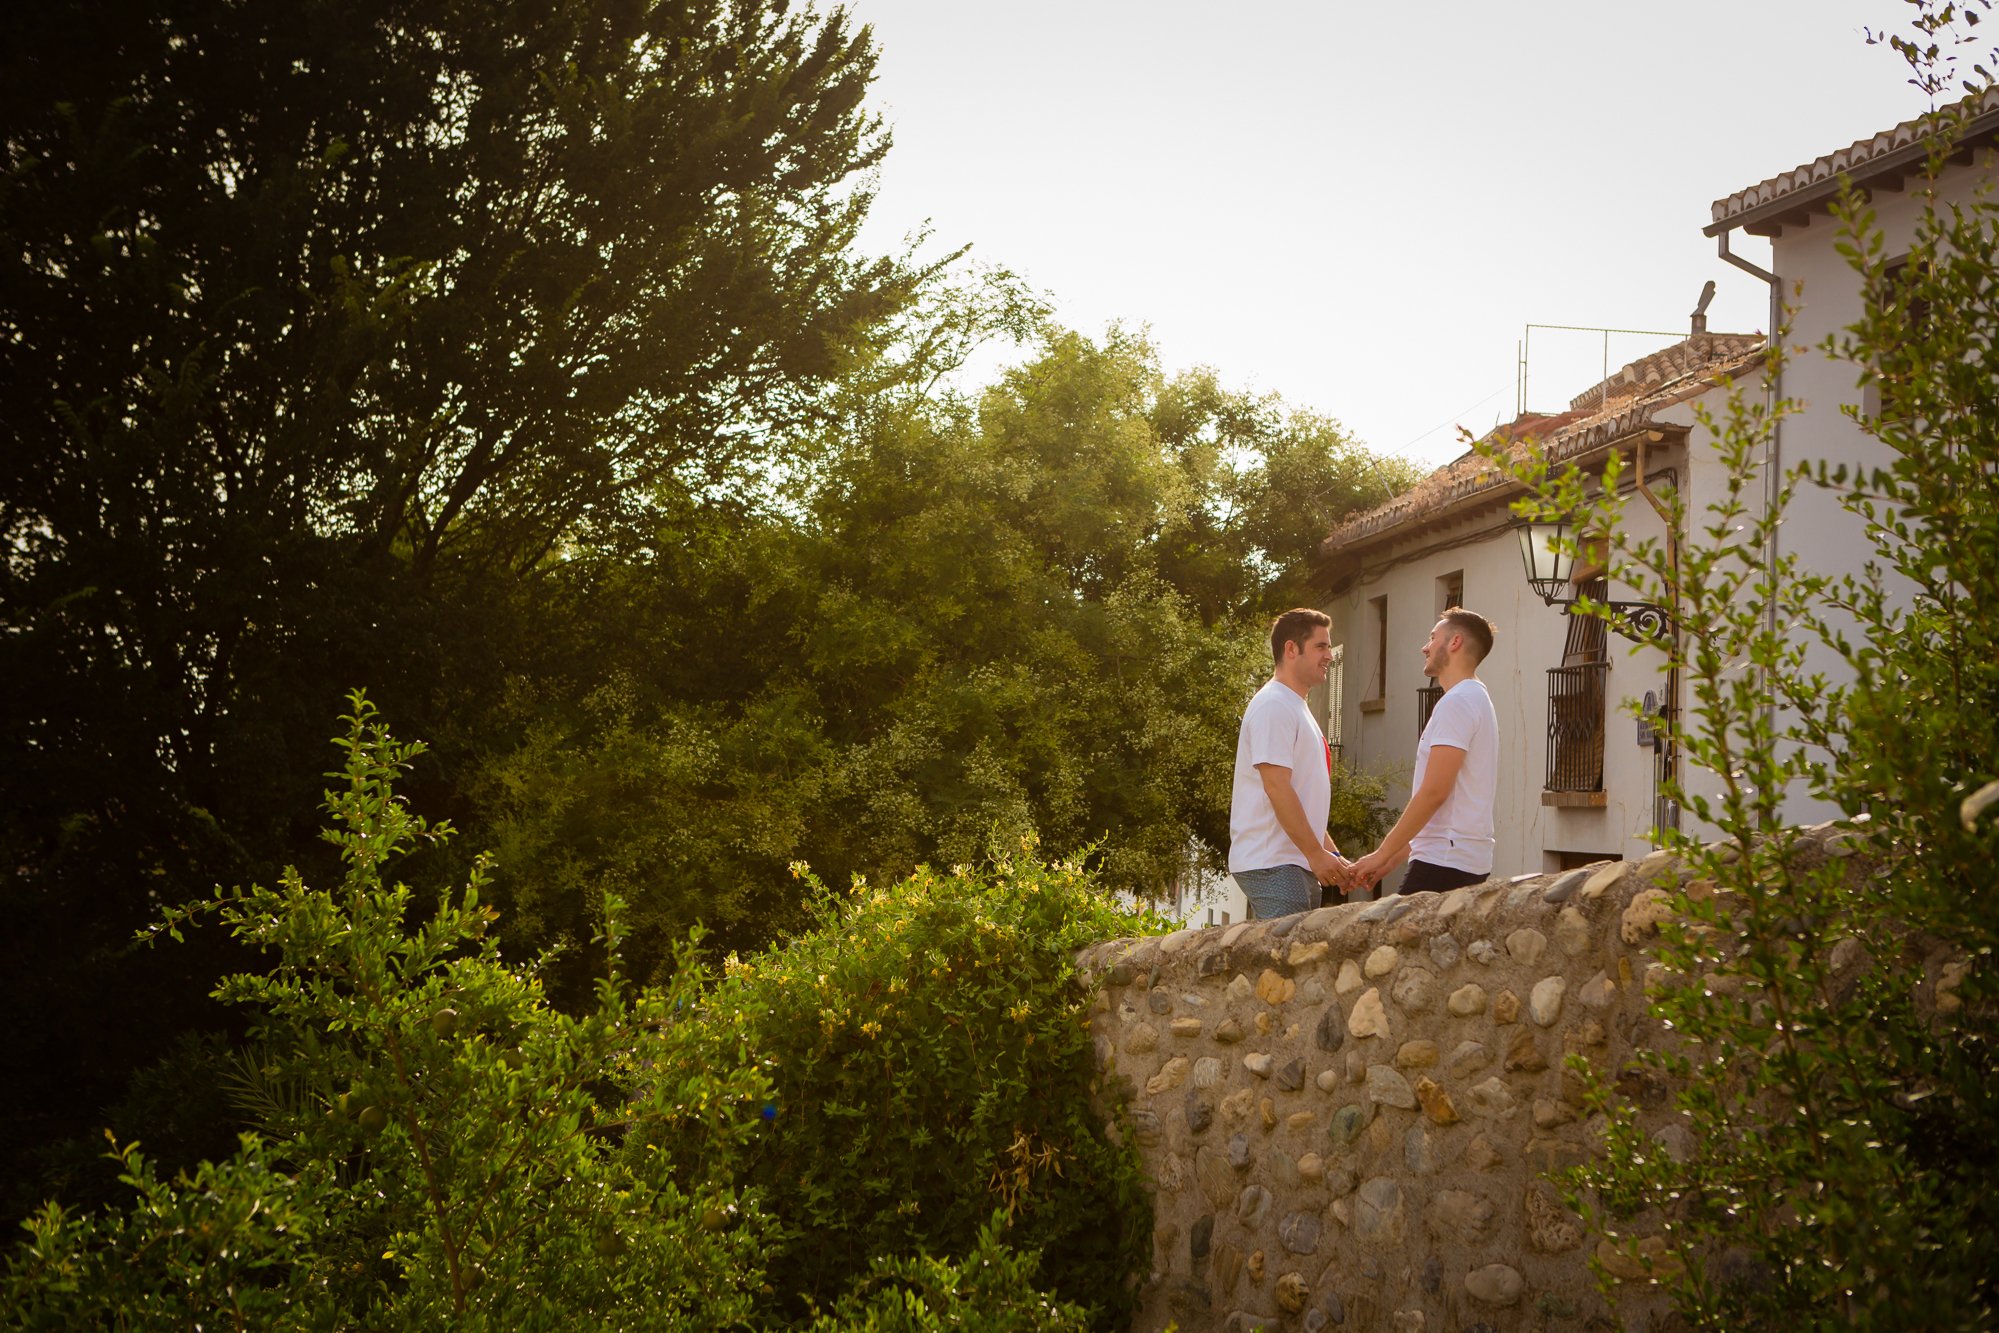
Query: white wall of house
[1404,577]
[1380,712]
[1824,296]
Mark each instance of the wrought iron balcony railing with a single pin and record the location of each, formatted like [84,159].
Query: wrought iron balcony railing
[1575,726]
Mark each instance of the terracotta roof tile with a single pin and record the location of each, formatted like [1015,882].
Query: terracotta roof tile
[1694,363]
[1850,160]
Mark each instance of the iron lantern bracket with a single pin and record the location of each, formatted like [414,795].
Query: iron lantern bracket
[1640,622]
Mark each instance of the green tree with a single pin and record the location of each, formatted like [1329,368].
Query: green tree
[968,619]
[324,321]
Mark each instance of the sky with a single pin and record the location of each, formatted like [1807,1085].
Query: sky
[1359,206]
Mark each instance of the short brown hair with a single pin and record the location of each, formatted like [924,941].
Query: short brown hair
[1478,631]
[1294,626]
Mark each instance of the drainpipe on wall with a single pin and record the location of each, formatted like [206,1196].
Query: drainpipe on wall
[1774,465]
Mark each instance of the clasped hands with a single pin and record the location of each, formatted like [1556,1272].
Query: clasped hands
[1352,876]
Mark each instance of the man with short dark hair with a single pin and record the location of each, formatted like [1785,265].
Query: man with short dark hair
[1446,829]
[1278,849]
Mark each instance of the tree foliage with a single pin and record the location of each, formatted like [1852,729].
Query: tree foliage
[321,322]
[1034,613]
[520,364]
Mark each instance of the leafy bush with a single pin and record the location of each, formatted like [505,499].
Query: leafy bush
[990,1291]
[439,1146]
[929,1057]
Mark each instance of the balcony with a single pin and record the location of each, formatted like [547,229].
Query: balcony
[1575,734]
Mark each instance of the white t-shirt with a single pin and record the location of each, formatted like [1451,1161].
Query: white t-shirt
[1277,728]
[1459,835]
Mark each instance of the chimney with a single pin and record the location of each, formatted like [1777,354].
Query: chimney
[1700,311]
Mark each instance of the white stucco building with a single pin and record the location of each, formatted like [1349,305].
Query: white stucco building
[1578,776]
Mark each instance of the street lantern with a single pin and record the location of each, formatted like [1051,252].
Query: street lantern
[1548,567]
[1551,572]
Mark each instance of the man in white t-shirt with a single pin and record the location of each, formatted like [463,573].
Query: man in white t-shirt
[1278,849]
[1446,829]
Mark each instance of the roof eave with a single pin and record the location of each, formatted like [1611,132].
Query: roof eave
[1501,490]
[1794,208]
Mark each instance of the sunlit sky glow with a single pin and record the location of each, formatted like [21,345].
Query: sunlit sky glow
[1360,206]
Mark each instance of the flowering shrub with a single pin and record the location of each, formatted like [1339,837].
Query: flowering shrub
[927,1048]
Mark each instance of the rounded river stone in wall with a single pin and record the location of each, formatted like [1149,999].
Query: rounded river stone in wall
[1389,1088]
[1415,990]
[1572,931]
[1201,1237]
[1368,1019]
[1493,1097]
[1346,1126]
[1291,1077]
[1160,1000]
[1252,1206]
[1495,1284]
[1418,1054]
[1377,1214]
[1200,1112]
[1467,1059]
[1458,1217]
[1332,1030]
[1239,1157]
[1544,1003]
[1444,952]
[1217,1181]
[1299,1232]
[1207,1072]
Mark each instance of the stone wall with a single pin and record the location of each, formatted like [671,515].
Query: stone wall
[1348,1114]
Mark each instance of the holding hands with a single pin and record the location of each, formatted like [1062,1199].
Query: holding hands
[1330,867]
[1369,870]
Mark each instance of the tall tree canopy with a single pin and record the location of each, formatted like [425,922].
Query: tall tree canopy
[314,316]
[1034,613]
